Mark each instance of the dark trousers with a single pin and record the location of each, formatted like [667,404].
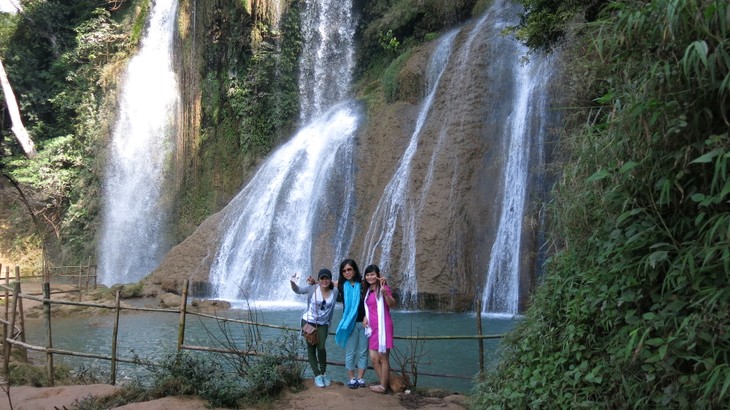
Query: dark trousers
[317,354]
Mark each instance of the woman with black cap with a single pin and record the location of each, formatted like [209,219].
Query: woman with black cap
[320,309]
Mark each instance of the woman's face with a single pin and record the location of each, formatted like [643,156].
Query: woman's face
[324,282]
[348,272]
[371,277]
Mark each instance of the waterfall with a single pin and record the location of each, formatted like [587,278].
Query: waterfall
[133,238]
[328,55]
[393,206]
[306,186]
[493,96]
[527,124]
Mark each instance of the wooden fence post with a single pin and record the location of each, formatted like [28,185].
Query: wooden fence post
[479,332]
[114,340]
[80,276]
[95,275]
[88,274]
[8,346]
[7,314]
[49,336]
[183,307]
[21,325]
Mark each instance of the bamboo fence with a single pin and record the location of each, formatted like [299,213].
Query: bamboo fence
[13,322]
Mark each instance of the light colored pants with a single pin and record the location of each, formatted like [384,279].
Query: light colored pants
[356,349]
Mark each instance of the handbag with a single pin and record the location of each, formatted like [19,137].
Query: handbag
[309,331]
[310,334]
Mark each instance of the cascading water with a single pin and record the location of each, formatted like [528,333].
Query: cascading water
[328,55]
[527,124]
[306,186]
[489,87]
[134,218]
[393,209]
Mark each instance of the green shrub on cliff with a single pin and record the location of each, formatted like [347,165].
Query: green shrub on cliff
[57,55]
[633,312]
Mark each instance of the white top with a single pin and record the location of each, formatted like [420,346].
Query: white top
[320,309]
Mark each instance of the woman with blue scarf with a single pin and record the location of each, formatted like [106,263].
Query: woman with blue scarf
[350,333]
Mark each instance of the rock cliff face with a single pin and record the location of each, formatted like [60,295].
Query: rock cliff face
[459,197]
[456,173]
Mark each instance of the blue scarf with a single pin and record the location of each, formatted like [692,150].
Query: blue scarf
[351,301]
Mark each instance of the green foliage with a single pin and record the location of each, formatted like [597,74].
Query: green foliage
[389,80]
[634,307]
[129,393]
[50,179]
[38,63]
[268,373]
[25,374]
[212,377]
[250,102]
[273,372]
[53,169]
[140,22]
[8,23]
[55,55]
[388,41]
[188,374]
[545,22]
[394,25]
[224,381]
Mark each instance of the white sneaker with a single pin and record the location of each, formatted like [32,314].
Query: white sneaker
[326,380]
[319,381]
[361,383]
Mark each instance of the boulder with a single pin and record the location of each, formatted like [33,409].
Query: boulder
[170,300]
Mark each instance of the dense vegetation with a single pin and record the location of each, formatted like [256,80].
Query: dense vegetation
[248,70]
[60,58]
[633,312]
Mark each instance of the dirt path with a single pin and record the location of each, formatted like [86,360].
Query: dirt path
[336,396]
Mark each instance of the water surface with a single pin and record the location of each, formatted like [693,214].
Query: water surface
[152,335]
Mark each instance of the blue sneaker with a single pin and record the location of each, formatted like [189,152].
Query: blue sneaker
[326,380]
[360,382]
[319,381]
[352,384]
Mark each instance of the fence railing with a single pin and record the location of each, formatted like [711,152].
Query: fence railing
[14,323]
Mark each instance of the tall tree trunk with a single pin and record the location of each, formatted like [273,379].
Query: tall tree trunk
[18,129]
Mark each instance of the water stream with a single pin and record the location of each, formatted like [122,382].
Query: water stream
[307,185]
[94,335]
[272,222]
[134,216]
[526,125]
[394,208]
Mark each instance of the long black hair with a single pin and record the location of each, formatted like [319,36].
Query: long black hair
[365,284]
[357,277]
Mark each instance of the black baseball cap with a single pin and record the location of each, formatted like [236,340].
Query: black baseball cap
[324,273]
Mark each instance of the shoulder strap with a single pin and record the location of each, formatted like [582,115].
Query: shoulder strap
[316,308]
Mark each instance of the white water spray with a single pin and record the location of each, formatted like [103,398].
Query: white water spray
[527,125]
[328,55]
[134,218]
[306,186]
